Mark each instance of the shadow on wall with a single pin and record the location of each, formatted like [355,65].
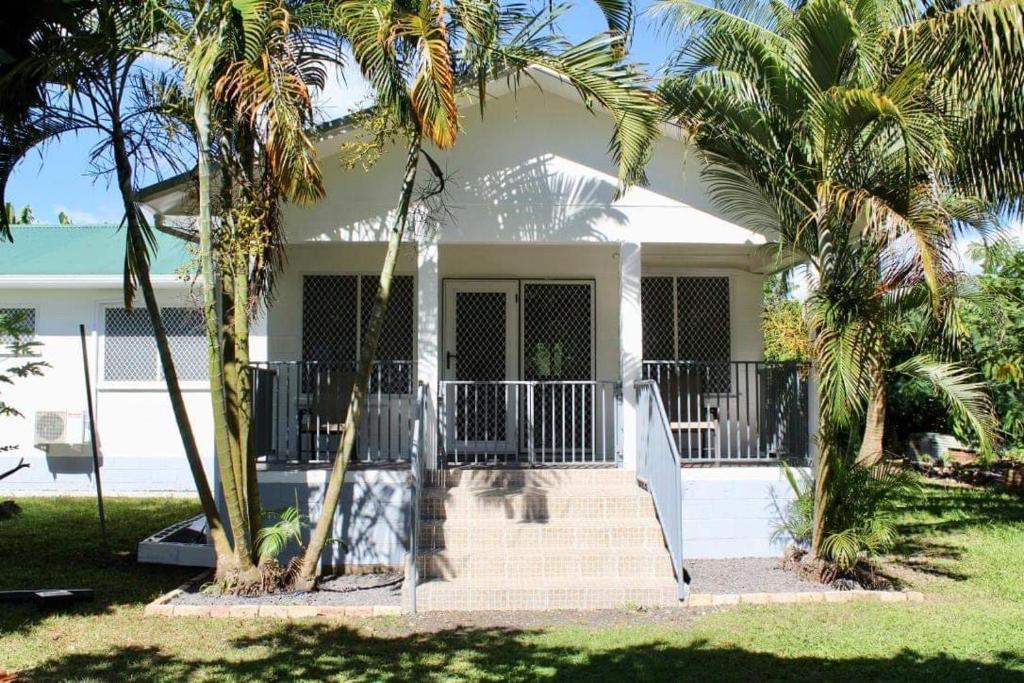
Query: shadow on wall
[371,526]
[322,651]
[528,200]
[62,458]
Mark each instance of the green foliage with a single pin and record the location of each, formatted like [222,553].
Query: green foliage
[15,342]
[15,217]
[996,329]
[272,539]
[786,336]
[63,218]
[863,518]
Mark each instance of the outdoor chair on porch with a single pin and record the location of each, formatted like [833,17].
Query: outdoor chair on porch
[683,394]
[322,415]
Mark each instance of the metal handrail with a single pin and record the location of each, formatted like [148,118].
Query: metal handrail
[658,471]
[412,572]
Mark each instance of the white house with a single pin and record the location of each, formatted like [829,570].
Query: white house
[520,332]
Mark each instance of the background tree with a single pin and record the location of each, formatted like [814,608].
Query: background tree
[865,135]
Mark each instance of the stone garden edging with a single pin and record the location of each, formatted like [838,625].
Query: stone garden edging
[161,607]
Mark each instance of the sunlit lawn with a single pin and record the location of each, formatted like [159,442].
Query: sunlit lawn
[964,548]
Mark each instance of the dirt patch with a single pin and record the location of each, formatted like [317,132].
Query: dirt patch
[8,509]
[864,576]
[343,589]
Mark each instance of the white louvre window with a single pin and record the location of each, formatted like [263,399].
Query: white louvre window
[687,319]
[129,346]
[26,321]
[336,313]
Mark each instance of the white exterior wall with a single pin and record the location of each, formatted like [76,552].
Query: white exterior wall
[140,448]
[733,511]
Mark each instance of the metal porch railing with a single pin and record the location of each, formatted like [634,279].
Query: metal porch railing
[534,422]
[299,408]
[658,471]
[734,411]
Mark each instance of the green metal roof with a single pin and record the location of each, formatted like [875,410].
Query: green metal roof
[81,250]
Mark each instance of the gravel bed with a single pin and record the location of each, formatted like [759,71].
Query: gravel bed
[747,575]
[347,589]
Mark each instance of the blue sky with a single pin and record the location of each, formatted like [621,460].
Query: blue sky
[57,178]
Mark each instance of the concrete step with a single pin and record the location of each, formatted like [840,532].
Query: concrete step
[517,478]
[542,594]
[535,505]
[519,568]
[566,535]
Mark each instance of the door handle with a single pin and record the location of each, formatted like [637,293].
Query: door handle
[448,360]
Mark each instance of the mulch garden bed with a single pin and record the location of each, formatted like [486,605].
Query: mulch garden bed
[336,590]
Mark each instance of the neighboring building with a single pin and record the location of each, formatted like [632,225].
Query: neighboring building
[527,318]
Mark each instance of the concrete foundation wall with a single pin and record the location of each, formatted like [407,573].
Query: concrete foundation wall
[371,520]
[733,511]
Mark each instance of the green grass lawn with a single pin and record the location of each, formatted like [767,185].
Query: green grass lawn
[964,548]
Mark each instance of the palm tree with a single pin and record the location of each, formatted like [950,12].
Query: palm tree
[90,56]
[866,136]
[418,56]
[248,67]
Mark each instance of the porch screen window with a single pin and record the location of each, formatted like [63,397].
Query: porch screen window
[687,318]
[26,318]
[557,331]
[129,346]
[336,314]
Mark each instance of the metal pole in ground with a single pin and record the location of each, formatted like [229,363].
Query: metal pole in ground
[92,435]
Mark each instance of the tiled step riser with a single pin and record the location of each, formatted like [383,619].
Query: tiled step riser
[516,569]
[540,478]
[537,538]
[543,599]
[535,508]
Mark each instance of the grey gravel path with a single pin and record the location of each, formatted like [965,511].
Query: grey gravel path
[350,589]
[746,575]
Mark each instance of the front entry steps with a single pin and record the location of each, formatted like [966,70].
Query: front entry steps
[540,539]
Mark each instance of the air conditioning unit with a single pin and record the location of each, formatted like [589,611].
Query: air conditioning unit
[58,427]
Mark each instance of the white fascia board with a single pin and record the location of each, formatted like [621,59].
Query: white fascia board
[82,281]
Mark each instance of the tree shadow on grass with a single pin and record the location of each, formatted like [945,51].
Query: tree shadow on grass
[317,651]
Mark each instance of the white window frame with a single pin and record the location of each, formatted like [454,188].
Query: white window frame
[136,385]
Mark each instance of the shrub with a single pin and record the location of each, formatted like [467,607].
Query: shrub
[862,519]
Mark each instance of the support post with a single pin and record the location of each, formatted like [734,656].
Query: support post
[631,349]
[428,342]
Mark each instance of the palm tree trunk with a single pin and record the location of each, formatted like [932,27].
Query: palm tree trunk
[822,474]
[871,446]
[325,523]
[245,426]
[227,466]
[122,162]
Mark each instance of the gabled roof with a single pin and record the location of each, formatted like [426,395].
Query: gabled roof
[165,194]
[74,250]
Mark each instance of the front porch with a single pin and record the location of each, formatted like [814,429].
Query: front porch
[519,367]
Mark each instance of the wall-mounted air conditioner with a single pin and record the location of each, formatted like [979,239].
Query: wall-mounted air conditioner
[59,427]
